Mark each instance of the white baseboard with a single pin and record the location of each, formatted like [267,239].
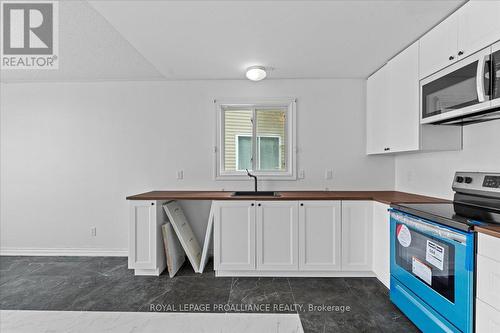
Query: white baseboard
[147,272]
[294,274]
[79,252]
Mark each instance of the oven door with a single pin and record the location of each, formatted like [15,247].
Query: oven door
[436,264]
[457,90]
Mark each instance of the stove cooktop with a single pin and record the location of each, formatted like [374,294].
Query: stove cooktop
[455,215]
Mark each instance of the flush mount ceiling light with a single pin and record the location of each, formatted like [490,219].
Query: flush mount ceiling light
[256,73]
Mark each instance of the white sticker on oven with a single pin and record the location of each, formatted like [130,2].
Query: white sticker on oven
[434,254]
[404,235]
[421,270]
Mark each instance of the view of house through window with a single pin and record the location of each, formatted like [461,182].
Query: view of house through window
[255,139]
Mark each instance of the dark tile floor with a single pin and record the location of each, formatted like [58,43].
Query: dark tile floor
[105,284]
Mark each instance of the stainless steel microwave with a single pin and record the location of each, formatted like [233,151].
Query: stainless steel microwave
[465,92]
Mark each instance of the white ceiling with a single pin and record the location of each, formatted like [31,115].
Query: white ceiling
[299,39]
[90,49]
[176,40]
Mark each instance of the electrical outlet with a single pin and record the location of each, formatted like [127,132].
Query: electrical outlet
[329,174]
[302,174]
[180,174]
[93,231]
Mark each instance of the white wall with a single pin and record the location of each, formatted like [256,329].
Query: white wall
[71,152]
[432,173]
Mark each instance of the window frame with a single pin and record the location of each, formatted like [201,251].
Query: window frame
[290,173]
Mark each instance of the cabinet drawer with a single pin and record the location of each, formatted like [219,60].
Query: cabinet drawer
[488,246]
[488,281]
[487,318]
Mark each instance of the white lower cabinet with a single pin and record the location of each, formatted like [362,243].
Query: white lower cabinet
[234,235]
[381,242]
[488,280]
[488,284]
[146,255]
[277,239]
[320,236]
[487,318]
[357,235]
[293,238]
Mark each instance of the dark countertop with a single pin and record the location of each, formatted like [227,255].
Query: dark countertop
[387,197]
[492,230]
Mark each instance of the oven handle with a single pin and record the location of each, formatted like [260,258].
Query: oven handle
[481,96]
[428,228]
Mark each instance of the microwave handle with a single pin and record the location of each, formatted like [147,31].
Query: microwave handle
[493,77]
[481,96]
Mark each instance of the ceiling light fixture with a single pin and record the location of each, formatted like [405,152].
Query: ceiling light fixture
[256,73]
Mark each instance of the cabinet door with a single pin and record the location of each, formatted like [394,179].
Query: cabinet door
[478,26]
[381,242]
[277,227]
[142,235]
[377,112]
[320,235]
[438,47]
[357,235]
[404,120]
[488,281]
[234,235]
[487,318]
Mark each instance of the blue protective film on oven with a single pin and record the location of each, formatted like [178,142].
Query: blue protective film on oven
[469,252]
[457,313]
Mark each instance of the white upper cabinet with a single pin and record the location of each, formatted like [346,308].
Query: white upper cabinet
[478,26]
[471,28]
[277,239]
[403,86]
[393,122]
[377,104]
[438,47]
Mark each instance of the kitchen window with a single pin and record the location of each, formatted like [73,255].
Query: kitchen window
[268,152]
[257,136]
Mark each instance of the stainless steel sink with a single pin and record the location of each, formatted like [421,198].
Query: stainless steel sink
[256,194]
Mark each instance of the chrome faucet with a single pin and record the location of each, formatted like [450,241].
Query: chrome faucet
[254,178]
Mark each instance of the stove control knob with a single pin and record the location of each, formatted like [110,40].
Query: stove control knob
[468,180]
[460,179]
